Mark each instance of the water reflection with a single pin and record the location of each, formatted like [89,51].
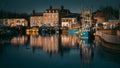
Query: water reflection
[58,44]
[19,40]
[68,40]
[86,52]
[64,45]
[53,43]
[107,51]
[48,43]
[111,48]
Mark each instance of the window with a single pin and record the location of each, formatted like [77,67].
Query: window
[18,21]
[49,11]
[63,20]
[56,16]
[53,11]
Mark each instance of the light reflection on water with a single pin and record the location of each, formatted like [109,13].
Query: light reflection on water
[64,50]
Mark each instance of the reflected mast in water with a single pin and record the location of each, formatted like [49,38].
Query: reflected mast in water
[86,52]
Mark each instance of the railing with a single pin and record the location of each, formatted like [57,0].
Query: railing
[109,38]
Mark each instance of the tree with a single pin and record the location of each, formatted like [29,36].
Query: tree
[109,12]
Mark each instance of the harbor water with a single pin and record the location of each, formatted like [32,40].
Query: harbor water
[57,51]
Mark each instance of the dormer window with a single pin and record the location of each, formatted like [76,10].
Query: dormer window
[49,11]
[56,10]
[53,11]
[18,21]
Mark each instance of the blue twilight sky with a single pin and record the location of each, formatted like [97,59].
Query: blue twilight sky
[27,6]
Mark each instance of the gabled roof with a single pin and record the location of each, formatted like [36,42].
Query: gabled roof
[72,15]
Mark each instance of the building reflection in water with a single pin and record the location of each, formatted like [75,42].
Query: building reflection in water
[62,44]
[53,43]
[48,43]
[86,52]
[68,40]
[19,40]
[56,44]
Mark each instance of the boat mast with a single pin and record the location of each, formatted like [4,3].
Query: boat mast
[119,19]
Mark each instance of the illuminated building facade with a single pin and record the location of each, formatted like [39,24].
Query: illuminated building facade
[69,22]
[50,17]
[36,19]
[13,22]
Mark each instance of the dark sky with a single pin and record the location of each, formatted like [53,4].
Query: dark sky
[40,5]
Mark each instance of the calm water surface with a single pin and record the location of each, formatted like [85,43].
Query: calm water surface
[57,51]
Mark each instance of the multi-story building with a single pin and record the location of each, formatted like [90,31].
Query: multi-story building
[36,19]
[50,17]
[13,22]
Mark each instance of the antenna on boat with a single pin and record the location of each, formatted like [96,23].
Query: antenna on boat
[119,18]
[91,13]
[119,13]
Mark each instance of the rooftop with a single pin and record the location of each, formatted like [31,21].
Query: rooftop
[113,20]
[37,14]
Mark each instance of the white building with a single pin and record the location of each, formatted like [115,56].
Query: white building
[69,22]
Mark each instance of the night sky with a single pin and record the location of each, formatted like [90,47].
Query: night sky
[26,6]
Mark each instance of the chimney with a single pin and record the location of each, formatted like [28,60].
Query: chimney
[50,7]
[62,7]
[33,12]
[119,13]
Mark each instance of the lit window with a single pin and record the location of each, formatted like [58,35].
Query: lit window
[53,11]
[49,11]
